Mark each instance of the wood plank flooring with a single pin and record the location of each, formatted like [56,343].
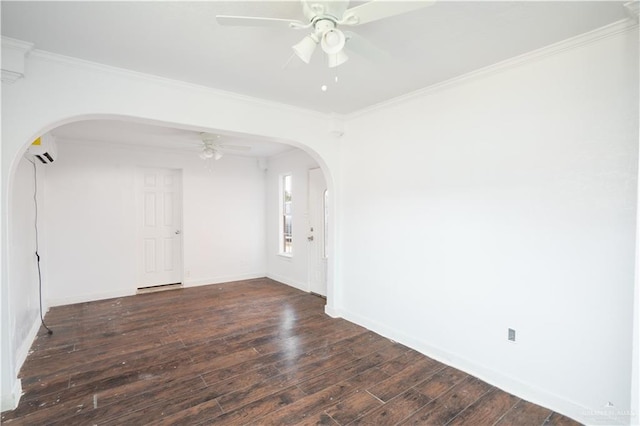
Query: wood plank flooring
[249,352]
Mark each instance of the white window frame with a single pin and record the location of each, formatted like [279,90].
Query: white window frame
[285,210]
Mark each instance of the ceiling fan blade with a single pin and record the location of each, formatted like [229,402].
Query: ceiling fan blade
[379,9]
[363,47]
[335,8]
[235,147]
[256,21]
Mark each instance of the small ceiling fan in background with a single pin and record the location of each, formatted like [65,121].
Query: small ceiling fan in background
[213,149]
[324,19]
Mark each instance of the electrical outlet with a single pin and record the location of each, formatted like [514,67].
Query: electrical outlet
[187,273]
[511,336]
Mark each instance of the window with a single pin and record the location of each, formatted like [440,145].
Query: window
[286,235]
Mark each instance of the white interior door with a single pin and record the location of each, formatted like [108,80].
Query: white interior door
[316,235]
[159,195]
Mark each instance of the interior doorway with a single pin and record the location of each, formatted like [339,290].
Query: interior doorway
[159,227]
[317,232]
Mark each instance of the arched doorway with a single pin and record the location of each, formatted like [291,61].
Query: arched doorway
[14,349]
[94,202]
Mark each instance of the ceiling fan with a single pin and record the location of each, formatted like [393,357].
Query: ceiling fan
[212,149]
[324,17]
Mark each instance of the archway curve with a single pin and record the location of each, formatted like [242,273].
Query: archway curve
[123,118]
[61,90]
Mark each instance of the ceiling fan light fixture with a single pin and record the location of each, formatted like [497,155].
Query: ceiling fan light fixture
[332,41]
[206,154]
[209,153]
[337,59]
[305,48]
[209,150]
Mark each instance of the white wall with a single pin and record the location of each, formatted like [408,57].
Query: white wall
[289,270]
[23,296]
[90,220]
[24,273]
[505,201]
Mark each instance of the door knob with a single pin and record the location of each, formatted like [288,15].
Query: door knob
[178,232]
[310,238]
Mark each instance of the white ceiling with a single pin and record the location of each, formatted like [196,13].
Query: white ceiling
[155,136]
[182,40]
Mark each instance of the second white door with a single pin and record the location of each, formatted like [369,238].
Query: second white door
[316,235]
[159,223]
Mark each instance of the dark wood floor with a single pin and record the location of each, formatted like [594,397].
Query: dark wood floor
[255,352]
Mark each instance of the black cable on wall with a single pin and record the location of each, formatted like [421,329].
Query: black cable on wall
[35,202]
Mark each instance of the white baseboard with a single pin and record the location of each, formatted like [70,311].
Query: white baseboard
[333,313]
[222,279]
[290,282]
[23,350]
[522,390]
[70,300]
[10,402]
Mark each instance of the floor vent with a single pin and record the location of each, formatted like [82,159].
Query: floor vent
[157,288]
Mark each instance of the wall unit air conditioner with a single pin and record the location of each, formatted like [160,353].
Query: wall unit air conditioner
[44,149]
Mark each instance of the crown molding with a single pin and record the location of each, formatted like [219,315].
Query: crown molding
[590,37]
[335,125]
[13,43]
[14,53]
[108,69]
[633,9]
[10,77]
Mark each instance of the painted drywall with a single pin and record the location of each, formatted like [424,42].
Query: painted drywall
[8,378]
[291,270]
[635,354]
[23,296]
[24,273]
[91,219]
[507,200]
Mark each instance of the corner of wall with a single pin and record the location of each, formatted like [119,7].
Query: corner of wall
[333,313]
[293,283]
[10,402]
[222,279]
[23,350]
